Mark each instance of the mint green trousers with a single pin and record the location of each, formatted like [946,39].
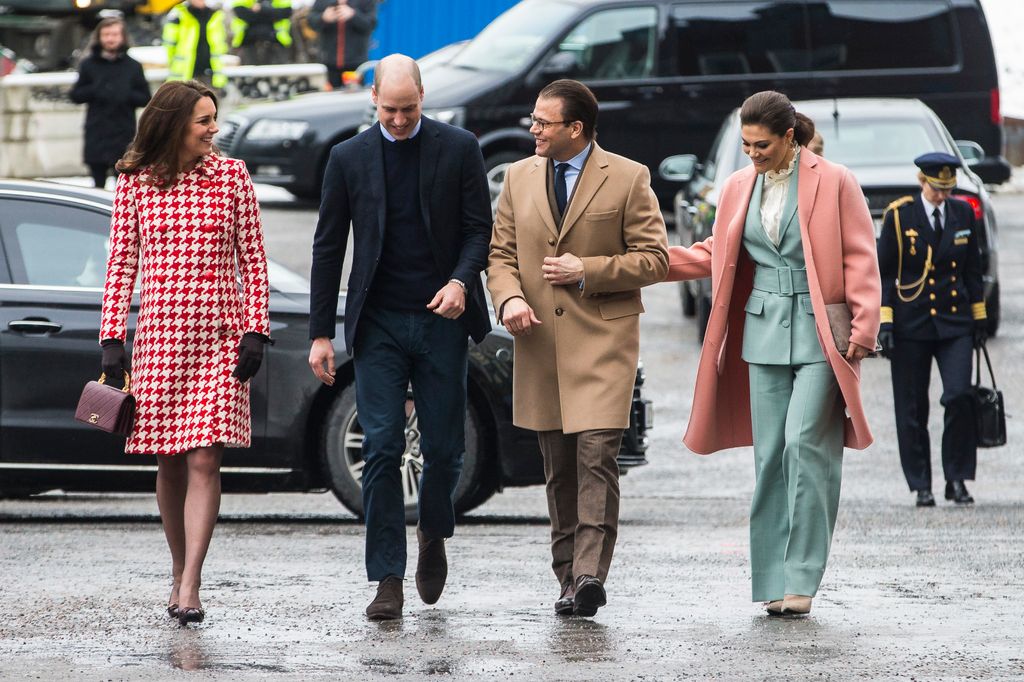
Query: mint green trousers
[797,415]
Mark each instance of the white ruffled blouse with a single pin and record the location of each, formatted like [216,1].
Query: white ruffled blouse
[773,197]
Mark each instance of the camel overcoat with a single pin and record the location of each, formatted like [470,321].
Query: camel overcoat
[842,265]
[576,371]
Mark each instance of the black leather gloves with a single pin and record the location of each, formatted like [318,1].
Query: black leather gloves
[887,341]
[250,355]
[114,362]
[980,333]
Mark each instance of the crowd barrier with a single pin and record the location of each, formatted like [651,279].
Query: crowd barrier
[41,128]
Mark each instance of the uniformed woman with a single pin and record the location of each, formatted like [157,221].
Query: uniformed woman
[933,306]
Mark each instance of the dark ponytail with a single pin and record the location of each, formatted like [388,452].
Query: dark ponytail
[774,111]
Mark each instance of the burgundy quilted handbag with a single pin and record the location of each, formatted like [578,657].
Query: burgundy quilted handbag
[107,408]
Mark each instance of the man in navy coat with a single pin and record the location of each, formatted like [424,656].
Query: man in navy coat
[416,195]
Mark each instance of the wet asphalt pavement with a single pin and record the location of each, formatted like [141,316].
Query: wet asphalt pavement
[926,594]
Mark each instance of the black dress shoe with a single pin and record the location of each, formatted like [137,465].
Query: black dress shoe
[925,498]
[566,601]
[957,491]
[590,596]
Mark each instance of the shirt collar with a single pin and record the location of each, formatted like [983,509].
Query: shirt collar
[391,138]
[577,161]
[929,208]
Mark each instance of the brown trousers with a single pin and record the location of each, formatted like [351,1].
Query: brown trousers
[583,500]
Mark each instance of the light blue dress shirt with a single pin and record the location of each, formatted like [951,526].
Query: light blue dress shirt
[574,169]
[391,138]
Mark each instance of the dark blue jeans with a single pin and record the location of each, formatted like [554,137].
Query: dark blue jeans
[391,350]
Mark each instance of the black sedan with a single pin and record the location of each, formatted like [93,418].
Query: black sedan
[306,436]
[878,140]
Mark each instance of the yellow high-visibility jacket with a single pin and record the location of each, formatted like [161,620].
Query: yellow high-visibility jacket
[181,38]
[282,27]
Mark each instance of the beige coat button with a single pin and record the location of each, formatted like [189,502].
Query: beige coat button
[551,241]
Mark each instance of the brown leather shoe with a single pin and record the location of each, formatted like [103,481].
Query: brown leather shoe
[431,568]
[387,605]
[566,600]
[796,605]
[590,596]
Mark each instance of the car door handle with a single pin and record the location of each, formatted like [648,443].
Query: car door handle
[34,326]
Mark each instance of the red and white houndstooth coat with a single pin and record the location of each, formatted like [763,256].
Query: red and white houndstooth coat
[185,241]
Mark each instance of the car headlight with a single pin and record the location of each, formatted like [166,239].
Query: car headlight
[453,116]
[274,129]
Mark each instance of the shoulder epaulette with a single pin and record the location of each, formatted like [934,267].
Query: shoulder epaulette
[899,202]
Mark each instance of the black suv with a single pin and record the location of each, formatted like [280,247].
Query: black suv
[877,139]
[666,72]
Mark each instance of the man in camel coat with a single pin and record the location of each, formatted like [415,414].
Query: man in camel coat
[578,231]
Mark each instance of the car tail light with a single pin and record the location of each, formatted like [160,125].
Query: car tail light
[993,102]
[974,202]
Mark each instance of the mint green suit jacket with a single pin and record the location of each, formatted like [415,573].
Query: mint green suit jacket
[779,326]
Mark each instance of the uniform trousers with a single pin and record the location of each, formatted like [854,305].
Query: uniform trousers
[797,419]
[582,475]
[393,349]
[911,373]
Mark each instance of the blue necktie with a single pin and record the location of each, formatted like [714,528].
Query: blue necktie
[561,197]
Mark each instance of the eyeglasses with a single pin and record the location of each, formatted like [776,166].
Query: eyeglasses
[534,121]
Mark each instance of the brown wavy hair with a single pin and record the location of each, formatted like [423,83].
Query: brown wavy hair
[774,111]
[94,39]
[162,128]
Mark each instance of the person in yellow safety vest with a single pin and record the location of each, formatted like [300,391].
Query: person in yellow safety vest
[262,30]
[196,39]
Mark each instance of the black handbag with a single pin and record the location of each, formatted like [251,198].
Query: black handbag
[989,414]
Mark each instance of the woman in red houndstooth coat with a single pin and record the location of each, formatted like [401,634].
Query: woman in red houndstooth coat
[186,223]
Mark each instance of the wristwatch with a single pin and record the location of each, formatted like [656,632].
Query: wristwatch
[460,283]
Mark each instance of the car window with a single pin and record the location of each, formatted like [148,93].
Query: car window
[55,245]
[613,44]
[861,35]
[870,142]
[721,39]
[513,38]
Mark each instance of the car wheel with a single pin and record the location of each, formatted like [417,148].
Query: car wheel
[992,309]
[342,451]
[496,165]
[689,302]
[703,315]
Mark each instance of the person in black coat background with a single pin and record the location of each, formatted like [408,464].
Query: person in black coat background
[933,306]
[113,85]
[353,21]
[416,195]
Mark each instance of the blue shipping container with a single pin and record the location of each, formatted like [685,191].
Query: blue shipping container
[417,27]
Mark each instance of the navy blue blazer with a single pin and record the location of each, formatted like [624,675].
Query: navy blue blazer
[948,297]
[456,206]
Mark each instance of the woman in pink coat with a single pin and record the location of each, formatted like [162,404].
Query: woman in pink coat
[792,235]
[185,221]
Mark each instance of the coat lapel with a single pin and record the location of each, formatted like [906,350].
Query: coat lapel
[587,184]
[734,232]
[539,192]
[374,143]
[926,229]
[807,190]
[430,152]
[789,210]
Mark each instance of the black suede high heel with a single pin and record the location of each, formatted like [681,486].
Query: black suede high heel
[172,610]
[190,615]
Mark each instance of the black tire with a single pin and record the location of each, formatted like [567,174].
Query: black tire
[341,449]
[992,309]
[703,315]
[689,302]
[495,166]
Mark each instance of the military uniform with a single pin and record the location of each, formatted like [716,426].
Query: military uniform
[932,305]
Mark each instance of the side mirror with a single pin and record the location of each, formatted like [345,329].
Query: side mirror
[971,151]
[993,170]
[679,168]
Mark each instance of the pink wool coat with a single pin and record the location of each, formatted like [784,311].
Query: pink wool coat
[842,265]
